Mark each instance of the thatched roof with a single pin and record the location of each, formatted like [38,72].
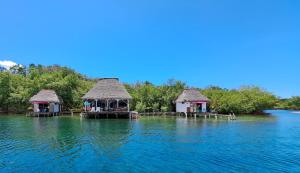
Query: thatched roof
[190,95]
[46,96]
[108,88]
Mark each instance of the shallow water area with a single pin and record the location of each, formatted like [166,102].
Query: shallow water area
[151,144]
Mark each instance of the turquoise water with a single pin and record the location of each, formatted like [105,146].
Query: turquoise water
[69,144]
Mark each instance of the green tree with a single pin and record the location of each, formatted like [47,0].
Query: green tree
[246,100]
[19,83]
[5,90]
[294,103]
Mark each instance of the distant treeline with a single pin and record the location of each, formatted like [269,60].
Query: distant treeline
[19,83]
[290,104]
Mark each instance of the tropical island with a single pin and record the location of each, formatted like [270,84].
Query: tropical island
[149,86]
[20,83]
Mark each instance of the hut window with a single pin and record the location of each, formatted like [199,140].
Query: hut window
[122,104]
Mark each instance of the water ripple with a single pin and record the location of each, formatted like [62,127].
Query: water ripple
[65,144]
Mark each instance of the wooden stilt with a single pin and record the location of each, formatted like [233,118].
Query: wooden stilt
[128,105]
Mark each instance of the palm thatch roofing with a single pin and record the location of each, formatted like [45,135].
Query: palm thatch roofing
[191,95]
[108,88]
[46,96]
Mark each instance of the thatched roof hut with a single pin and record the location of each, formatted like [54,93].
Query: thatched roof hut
[49,96]
[191,95]
[107,88]
[46,102]
[191,100]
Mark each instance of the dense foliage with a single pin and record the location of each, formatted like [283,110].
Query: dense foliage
[148,97]
[247,100]
[20,83]
[291,103]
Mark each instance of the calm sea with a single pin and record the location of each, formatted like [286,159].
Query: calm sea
[151,144]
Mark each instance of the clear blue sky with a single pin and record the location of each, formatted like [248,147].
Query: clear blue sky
[202,42]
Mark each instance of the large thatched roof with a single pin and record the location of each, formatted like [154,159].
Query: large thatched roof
[108,88]
[46,96]
[190,95]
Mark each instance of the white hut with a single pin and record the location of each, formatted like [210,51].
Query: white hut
[191,100]
[46,101]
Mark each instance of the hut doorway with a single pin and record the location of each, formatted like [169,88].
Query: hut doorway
[113,105]
[199,107]
[101,104]
[43,107]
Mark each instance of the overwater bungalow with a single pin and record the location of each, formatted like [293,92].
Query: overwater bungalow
[191,101]
[107,97]
[46,103]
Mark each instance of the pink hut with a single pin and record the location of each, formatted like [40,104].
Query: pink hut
[46,102]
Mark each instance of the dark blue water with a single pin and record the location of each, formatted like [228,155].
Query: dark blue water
[69,144]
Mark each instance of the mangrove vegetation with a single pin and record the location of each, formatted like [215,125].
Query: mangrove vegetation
[19,83]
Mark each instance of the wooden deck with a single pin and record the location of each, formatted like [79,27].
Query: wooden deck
[192,114]
[42,114]
[110,115]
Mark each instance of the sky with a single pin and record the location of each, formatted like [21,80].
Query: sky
[229,43]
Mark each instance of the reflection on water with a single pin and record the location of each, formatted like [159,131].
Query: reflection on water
[151,144]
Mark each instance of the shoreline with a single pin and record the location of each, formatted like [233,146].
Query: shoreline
[146,113]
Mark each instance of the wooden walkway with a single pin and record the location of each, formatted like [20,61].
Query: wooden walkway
[192,114]
[42,114]
[110,115]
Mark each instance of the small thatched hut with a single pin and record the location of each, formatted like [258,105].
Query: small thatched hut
[191,100]
[46,101]
[107,95]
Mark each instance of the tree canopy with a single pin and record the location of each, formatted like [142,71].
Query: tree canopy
[19,83]
[247,100]
[292,103]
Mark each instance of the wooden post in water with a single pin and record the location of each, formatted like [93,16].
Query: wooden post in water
[128,105]
[106,104]
[96,105]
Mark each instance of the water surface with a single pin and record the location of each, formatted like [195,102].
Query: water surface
[151,144]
